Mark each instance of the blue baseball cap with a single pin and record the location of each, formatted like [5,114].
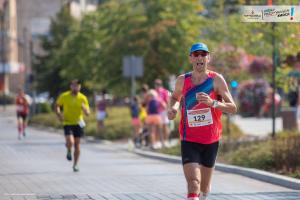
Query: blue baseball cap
[199,47]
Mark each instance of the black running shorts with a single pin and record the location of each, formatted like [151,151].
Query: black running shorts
[76,130]
[203,154]
[22,115]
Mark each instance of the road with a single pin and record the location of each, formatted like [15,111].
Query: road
[35,168]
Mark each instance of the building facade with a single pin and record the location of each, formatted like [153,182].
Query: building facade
[22,22]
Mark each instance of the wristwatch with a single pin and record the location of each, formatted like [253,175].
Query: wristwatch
[215,104]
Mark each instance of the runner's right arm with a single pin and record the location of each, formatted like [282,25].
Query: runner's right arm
[58,112]
[175,98]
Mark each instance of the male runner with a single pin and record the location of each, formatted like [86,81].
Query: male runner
[204,96]
[74,104]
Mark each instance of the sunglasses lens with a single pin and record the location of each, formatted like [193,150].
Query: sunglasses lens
[200,53]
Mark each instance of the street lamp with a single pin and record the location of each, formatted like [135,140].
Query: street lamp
[274,57]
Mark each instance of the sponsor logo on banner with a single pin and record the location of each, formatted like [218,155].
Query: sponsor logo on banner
[270,13]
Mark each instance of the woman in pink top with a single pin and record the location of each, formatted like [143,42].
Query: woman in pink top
[204,96]
[101,111]
[153,119]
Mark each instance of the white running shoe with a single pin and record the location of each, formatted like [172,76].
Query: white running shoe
[158,145]
[203,198]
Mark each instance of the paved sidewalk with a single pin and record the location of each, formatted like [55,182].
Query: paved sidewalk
[36,169]
[259,127]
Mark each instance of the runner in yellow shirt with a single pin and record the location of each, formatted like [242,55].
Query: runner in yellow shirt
[74,104]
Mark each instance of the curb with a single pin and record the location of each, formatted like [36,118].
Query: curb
[261,175]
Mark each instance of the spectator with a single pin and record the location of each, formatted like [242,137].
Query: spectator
[153,119]
[163,94]
[267,105]
[135,109]
[293,92]
[101,111]
[143,114]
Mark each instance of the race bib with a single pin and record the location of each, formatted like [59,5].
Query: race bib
[200,117]
[20,108]
[81,123]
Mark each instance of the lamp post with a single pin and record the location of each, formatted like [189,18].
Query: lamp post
[274,57]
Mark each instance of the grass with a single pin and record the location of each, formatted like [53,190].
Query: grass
[117,124]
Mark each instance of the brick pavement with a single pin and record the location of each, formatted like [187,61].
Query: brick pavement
[36,169]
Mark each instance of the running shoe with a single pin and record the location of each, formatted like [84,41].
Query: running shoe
[75,168]
[202,197]
[69,155]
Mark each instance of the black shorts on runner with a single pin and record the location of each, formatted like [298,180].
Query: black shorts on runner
[203,154]
[22,115]
[76,130]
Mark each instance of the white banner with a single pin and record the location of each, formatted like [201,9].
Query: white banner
[270,13]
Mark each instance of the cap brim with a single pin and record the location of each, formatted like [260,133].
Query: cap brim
[199,50]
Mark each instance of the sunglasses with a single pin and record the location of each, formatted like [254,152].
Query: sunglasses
[200,53]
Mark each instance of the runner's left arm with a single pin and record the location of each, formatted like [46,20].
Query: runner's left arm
[85,106]
[228,105]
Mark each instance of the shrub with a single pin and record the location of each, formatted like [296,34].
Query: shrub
[280,155]
[6,99]
[285,149]
[46,119]
[43,107]
[251,95]
[260,65]
[254,156]
[117,124]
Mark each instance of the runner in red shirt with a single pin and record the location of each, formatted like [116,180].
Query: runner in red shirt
[22,105]
[204,95]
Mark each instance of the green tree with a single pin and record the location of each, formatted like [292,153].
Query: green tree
[160,31]
[48,67]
